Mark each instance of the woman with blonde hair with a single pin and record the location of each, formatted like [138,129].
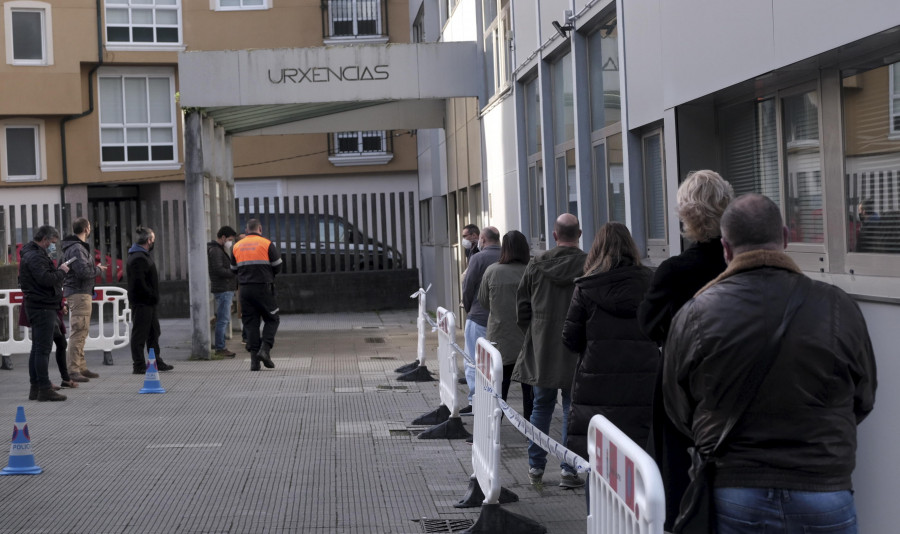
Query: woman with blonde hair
[617,362]
[702,198]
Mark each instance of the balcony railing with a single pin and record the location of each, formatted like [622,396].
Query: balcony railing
[354,20]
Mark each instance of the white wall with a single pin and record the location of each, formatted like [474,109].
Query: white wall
[877,468]
[499,130]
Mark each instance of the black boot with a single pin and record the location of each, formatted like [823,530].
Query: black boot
[254,361]
[163,366]
[266,359]
[33,392]
[139,368]
[47,394]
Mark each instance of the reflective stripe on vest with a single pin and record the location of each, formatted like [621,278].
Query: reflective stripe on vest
[252,250]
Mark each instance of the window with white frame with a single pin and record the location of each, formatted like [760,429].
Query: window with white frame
[137,117]
[143,22]
[497,38]
[29,33]
[22,150]
[355,20]
[895,98]
[242,5]
[372,147]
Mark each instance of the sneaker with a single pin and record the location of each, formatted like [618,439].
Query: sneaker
[225,353]
[466,411]
[78,377]
[90,374]
[570,480]
[535,475]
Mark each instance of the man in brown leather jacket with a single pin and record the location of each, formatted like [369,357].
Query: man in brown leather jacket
[786,464]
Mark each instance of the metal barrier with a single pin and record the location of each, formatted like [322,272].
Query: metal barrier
[112,333]
[626,492]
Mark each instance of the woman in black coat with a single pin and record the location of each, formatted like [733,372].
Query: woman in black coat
[702,198]
[617,364]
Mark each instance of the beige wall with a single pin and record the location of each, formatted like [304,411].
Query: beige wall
[867,113]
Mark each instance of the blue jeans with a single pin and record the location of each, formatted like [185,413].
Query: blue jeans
[541,415]
[43,323]
[223,316]
[473,332]
[754,510]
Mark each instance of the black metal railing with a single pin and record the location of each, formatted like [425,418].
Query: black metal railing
[354,19]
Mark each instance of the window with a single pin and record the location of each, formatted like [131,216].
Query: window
[418,27]
[497,40]
[242,5]
[804,210]
[139,23]
[535,177]
[22,150]
[564,136]
[29,33]
[360,148]
[137,117]
[355,20]
[872,161]
[654,186]
[425,222]
[603,62]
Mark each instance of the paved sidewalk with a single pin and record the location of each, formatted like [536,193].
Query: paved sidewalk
[321,444]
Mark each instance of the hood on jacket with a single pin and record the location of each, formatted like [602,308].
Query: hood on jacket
[31,246]
[618,292]
[212,244]
[71,241]
[561,265]
[137,248]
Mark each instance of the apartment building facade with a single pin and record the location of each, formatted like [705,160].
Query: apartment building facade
[90,116]
[601,108]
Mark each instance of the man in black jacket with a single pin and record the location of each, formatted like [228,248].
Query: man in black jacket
[143,295]
[79,292]
[786,465]
[222,283]
[41,282]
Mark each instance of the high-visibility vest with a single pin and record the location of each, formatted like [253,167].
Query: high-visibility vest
[252,250]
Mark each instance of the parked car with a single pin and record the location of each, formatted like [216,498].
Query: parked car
[320,243]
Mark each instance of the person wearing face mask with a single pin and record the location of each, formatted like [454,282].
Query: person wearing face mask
[469,241]
[143,294]
[222,284]
[78,289]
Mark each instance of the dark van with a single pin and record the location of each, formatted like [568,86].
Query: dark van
[323,243]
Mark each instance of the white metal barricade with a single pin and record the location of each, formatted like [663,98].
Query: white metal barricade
[112,333]
[626,492]
[487,415]
[420,324]
[448,374]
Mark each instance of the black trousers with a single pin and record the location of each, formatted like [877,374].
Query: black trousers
[144,332]
[59,339]
[42,324]
[258,304]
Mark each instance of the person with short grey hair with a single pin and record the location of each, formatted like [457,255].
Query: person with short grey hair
[41,282]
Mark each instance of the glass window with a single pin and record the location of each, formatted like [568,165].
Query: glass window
[29,33]
[803,168]
[235,5]
[749,133]
[144,22]
[563,100]
[21,151]
[603,59]
[496,45]
[532,117]
[616,176]
[425,221]
[537,213]
[351,18]
[361,142]
[654,184]
[567,193]
[895,98]
[137,118]
[872,160]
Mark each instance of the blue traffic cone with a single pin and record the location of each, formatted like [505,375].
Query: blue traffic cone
[21,459]
[151,380]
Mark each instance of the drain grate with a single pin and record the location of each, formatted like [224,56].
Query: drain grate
[398,388]
[445,525]
[382,358]
[399,432]
[374,340]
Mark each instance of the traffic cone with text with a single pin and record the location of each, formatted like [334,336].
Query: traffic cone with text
[21,459]
[151,380]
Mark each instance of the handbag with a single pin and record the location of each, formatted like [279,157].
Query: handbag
[697,512]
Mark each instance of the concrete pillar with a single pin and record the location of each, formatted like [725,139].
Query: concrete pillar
[198,276]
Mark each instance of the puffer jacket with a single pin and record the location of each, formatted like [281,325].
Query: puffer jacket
[82,271]
[39,279]
[542,300]
[221,278]
[618,363]
[143,278]
[799,432]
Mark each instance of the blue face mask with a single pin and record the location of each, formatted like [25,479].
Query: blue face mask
[51,249]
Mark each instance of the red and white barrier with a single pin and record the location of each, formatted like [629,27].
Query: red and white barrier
[626,492]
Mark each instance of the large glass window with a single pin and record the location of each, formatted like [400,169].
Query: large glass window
[143,22]
[749,133]
[803,168]
[536,209]
[137,117]
[29,34]
[563,100]
[496,45]
[537,214]
[615,171]
[603,58]
[872,160]
[532,117]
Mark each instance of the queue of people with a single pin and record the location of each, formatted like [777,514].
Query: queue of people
[726,356]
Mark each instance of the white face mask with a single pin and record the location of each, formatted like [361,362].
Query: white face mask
[228,245]
[466,244]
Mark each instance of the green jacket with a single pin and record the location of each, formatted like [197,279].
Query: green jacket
[497,295]
[543,299]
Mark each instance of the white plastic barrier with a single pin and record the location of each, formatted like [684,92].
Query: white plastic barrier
[446,325]
[487,415]
[112,333]
[626,492]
